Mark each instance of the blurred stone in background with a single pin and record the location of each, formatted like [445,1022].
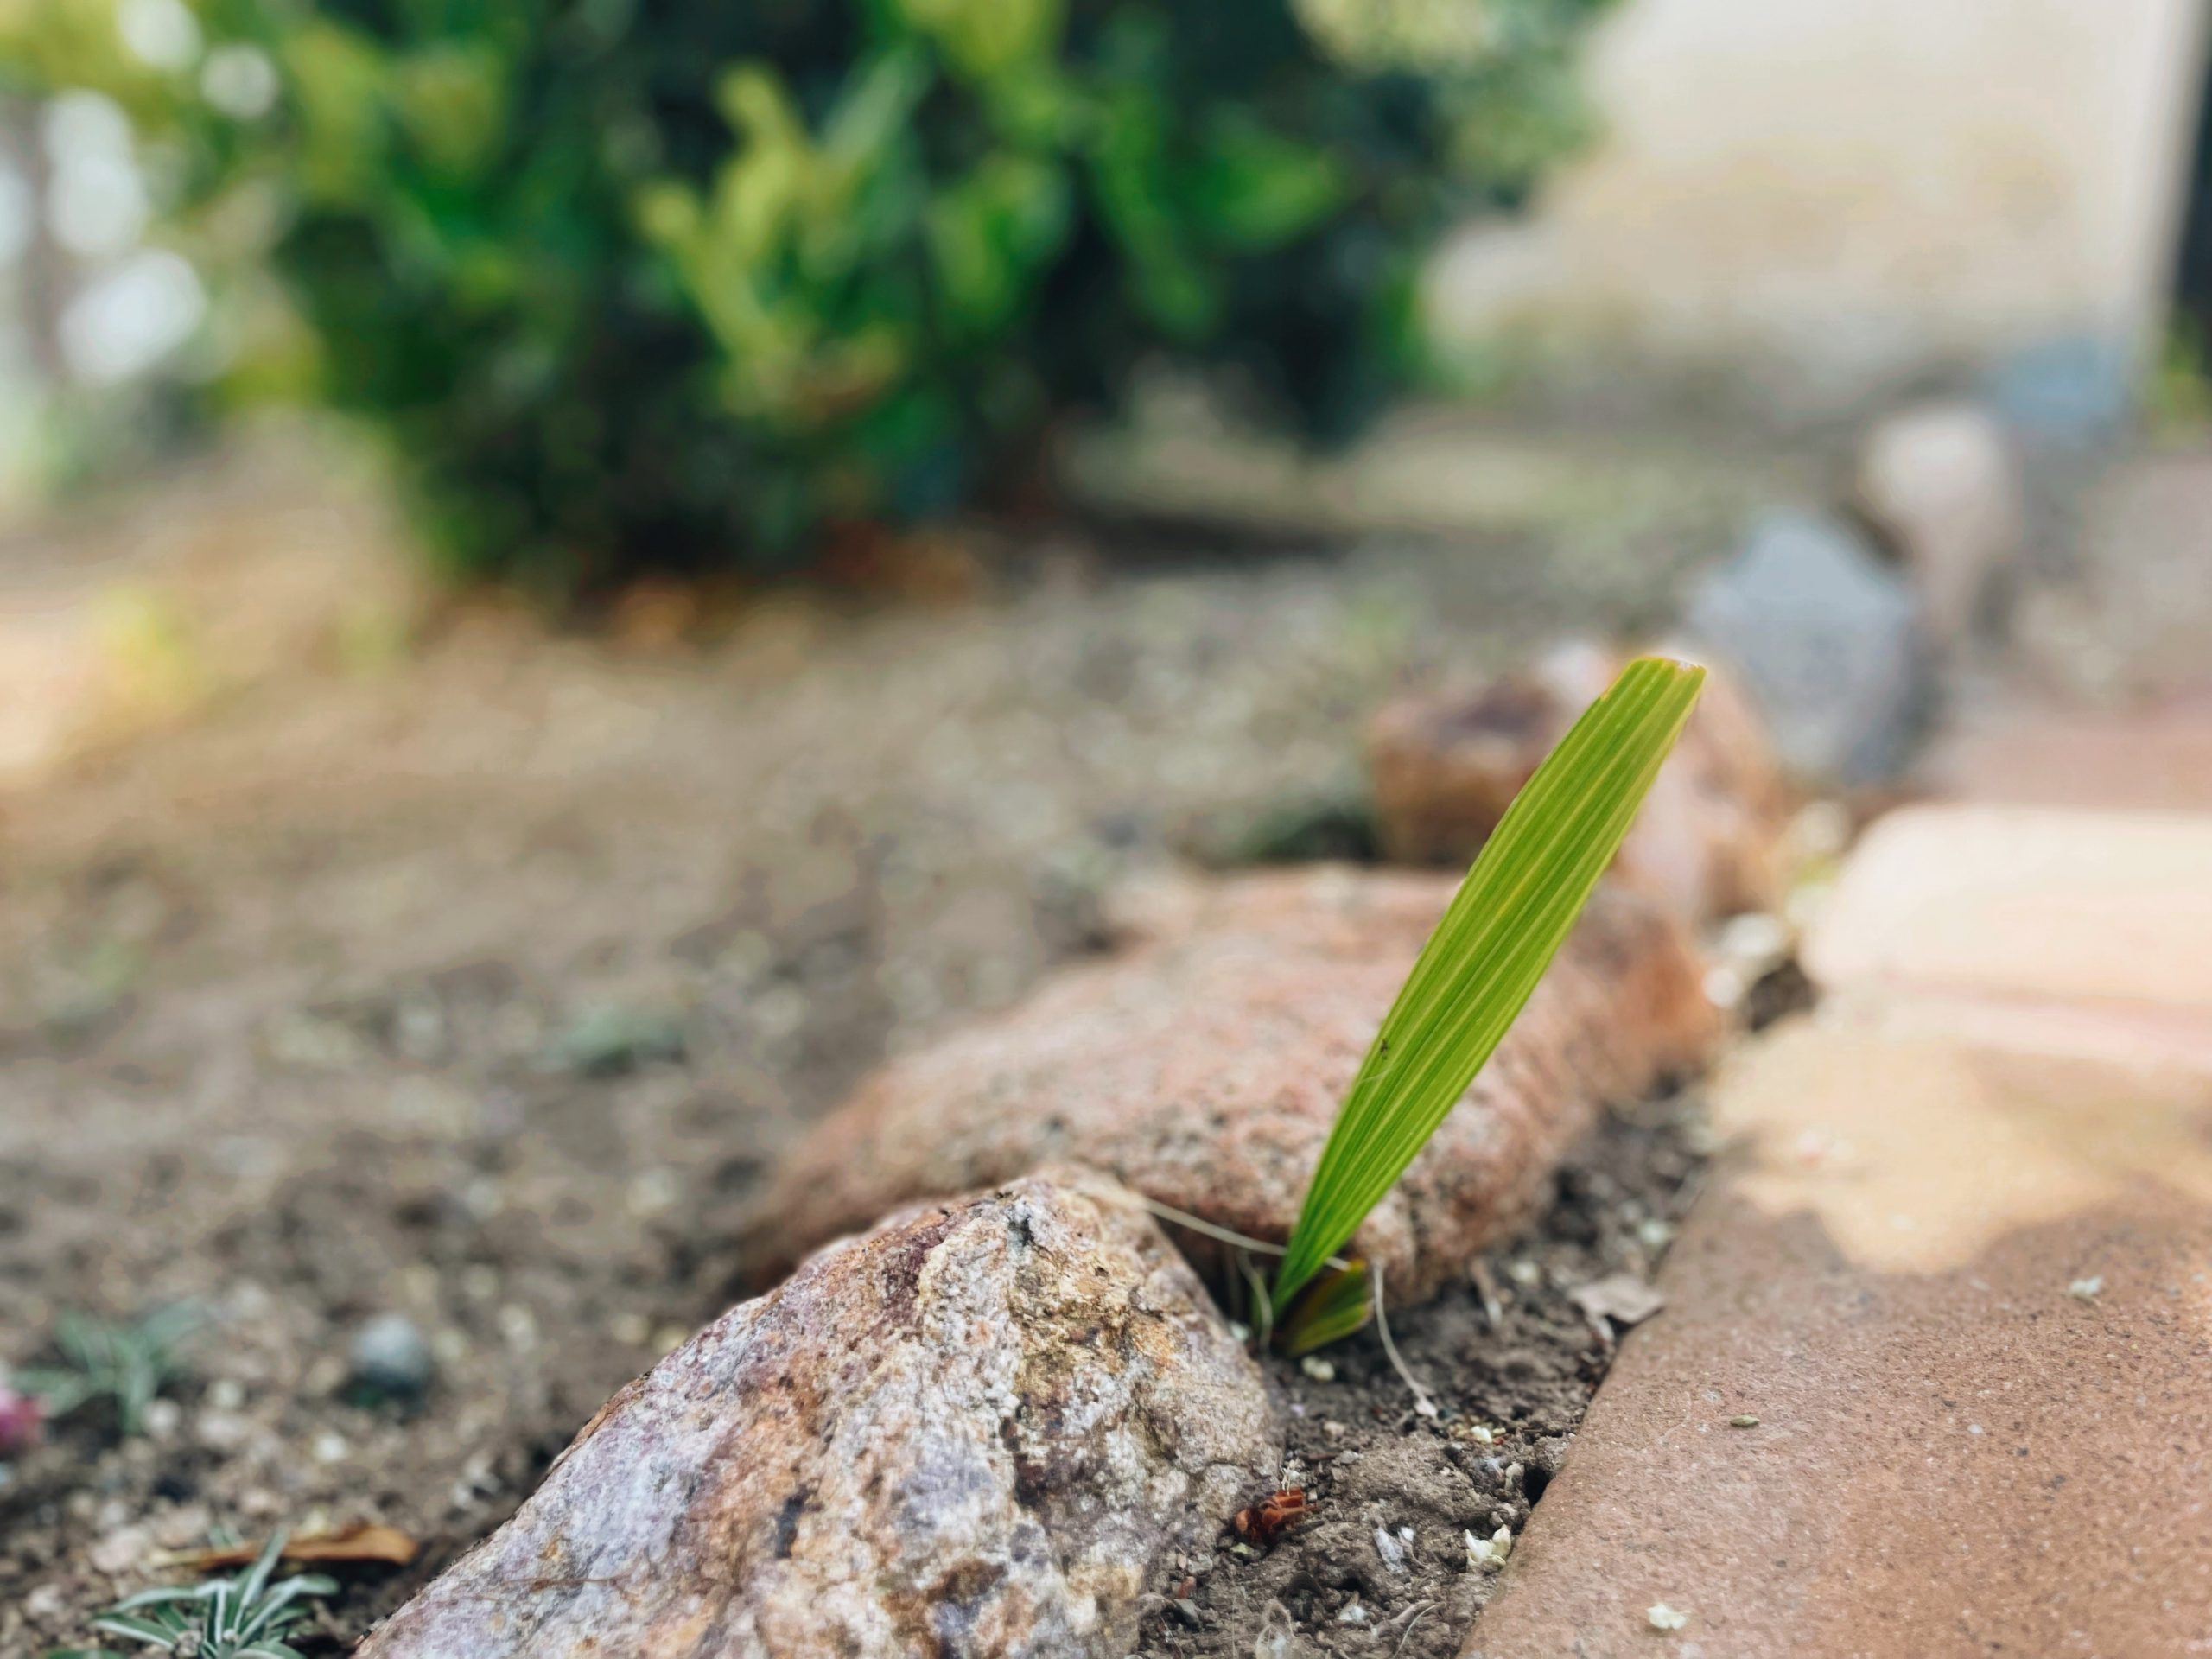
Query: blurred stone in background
[1943,483]
[1829,642]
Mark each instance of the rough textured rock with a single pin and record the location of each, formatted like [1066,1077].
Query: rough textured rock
[1445,769]
[1943,483]
[971,1430]
[1204,1067]
[1828,642]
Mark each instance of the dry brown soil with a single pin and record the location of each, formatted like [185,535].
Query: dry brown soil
[309,1007]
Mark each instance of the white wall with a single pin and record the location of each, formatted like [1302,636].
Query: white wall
[1847,189]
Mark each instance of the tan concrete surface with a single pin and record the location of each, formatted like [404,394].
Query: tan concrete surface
[1956,1263]
[2159,758]
[1966,1295]
[2104,908]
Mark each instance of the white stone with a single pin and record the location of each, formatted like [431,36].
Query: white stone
[1944,483]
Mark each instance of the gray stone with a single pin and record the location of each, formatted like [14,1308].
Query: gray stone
[2073,391]
[985,1427]
[1827,641]
[391,1358]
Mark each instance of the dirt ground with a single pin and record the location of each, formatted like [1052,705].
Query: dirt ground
[1378,1564]
[481,985]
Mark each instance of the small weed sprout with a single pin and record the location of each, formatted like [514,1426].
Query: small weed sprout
[243,1617]
[126,1363]
[1472,979]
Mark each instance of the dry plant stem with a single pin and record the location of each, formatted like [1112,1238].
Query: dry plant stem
[1420,1613]
[1422,1402]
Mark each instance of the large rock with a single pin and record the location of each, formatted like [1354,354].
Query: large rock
[1943,482]
[1706,840]
[1204,1068]
[1828,642]
[973,1431]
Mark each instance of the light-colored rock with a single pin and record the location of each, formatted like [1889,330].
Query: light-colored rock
[974,1430]
[1827,641]
[1707,841]
[1204,1068]
[1942,481]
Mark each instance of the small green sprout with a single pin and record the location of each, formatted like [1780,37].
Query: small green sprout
[244,1616]
[1477,971]
[127,1364]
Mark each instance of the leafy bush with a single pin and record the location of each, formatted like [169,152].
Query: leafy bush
[638,283]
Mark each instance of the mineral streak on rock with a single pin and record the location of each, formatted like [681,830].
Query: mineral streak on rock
[974,1430]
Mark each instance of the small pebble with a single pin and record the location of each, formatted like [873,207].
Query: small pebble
[223,1431]
[519,1326]
[1754,936]
[1743,1420]
[2086,1290]
[120,1551]
[1661,1617]
[1319,1368]
[390,1356]
[1491,1551]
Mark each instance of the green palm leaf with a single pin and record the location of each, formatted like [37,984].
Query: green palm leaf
[1477,969]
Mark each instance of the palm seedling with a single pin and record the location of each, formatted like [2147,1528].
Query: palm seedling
[1471,981]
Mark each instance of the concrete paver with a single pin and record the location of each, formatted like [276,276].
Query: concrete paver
[1980,1354]
[1957,1263]
[2157,758]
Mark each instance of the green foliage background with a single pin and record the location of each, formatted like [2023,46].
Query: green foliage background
[648,283]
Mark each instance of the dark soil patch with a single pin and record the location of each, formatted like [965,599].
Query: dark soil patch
[1510,1391]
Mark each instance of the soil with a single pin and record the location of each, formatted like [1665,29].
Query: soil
[1510,1382]
[481,983]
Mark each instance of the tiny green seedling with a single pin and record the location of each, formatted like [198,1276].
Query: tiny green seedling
[243,1617]
[126,1363]
[1473,976]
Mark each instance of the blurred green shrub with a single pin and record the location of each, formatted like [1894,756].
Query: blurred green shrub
[636,283]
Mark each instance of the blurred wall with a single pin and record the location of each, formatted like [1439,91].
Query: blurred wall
[1838,194]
